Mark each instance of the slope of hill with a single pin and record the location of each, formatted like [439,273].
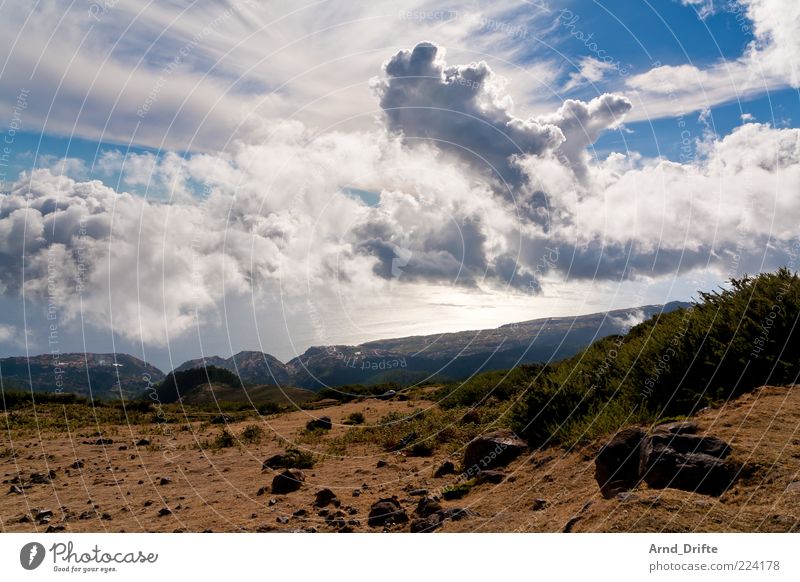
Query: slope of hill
[252,367]
[99,375]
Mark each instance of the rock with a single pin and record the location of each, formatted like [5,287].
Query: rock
[122,447]
[262,491]
[386,512]
[793,487]
[687,462]
[164,481]
[79,464]
[324,497]
[426,524]
[418,492]
[41,479]
[55,528]
[274,462]
[148,503]
[682,427]
[381,463]
[321,423]
[494,449]
[106,517]
[618,464]
[288,481]
[142,442]
[300,513]
[87,515]
[222,419]
[272,501]
[42,515]
[16,489]
[446,468]
[24,519]
[539,504]
[282,519]
[456,513]
[356,493]
[571,524]
[494,477]
[164,511]
[104,441]
[427,506]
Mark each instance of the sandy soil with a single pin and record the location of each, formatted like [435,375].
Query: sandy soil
[119,488]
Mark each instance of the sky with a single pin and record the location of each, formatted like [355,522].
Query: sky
[182,180]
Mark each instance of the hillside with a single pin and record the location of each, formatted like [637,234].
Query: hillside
[219,486]
[98,375]
[252,367]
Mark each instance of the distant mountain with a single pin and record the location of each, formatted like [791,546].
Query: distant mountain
[104,376]
[448,356]
[251,367]
[455,356]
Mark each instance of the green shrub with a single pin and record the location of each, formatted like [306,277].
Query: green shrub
[458,490]
[355,418]
[252,434]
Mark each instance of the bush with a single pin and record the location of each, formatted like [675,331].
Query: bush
[224,440]
[355,418]
[252,434]
[296,459]
[730,342]
[458,490]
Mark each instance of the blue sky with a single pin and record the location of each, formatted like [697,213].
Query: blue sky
[272,166]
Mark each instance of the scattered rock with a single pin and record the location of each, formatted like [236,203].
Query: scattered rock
[165,481]
[288,481]
[324,497]
[356,493]
[323,423]
[494,477]
[381,463]
[539,504]
[446,468]
[427,506]
[24,519]
[418,492]
[300,513]
[42,479]
[143,442]
[274,462]
[87,515]
[272,501]
[282,519]
[426,524]
[106,517]
[617,466]
[123,447]
[262,491]
[148,503]
[104,442]
[16,489]
[45,514]
[386,512]
[164,511]
[494,449]
[55,528]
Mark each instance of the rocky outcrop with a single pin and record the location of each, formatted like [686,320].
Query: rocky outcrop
[672,456]
[490,450]
[321,423]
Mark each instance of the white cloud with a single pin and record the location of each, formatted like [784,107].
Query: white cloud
[768,63]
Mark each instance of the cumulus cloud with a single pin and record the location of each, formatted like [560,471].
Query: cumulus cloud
[273,218]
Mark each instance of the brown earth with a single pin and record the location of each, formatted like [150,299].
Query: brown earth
[547,491]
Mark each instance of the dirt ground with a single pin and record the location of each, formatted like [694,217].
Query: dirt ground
[175,484]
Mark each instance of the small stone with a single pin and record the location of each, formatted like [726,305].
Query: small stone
[356,493]
[380,464]
[165,481]
[142,443]
[446,468]
[538,504]
[164,511]
[282,519]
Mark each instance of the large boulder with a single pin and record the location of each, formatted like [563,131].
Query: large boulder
[386,512]
[617,467]
[494,449]
[323,423]
[687,462]
[288,481]
[670,457]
